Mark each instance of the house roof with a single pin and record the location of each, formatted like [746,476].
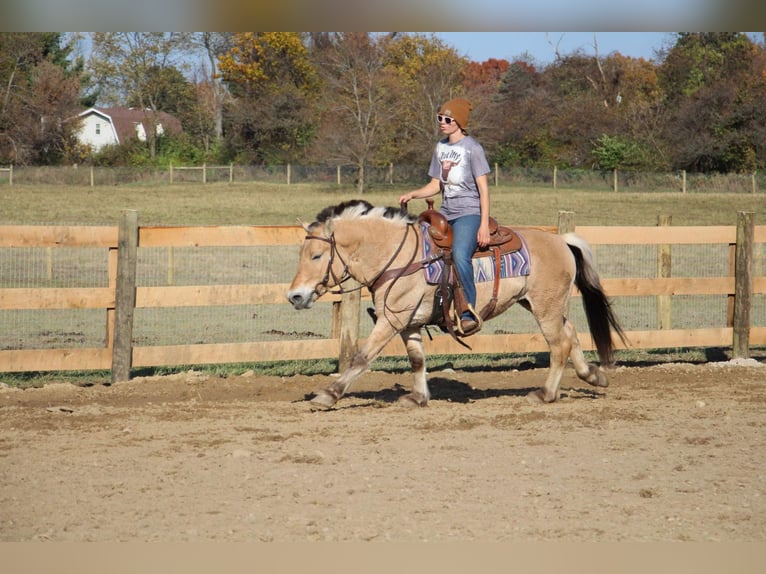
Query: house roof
[125,119]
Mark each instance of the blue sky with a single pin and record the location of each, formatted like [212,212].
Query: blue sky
[480,46]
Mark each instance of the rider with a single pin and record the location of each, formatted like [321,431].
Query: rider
[459,168]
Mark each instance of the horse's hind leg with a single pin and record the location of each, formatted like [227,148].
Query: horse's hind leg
[420,394]
[561,336]
[588,372]
[558,334]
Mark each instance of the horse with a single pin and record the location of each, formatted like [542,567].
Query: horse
[379,247]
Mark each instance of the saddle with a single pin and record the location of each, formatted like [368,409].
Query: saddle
[502,240]
[501,237]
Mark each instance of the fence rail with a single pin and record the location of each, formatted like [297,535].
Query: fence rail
[121,297]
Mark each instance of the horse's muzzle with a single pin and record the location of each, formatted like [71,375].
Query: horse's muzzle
[301,298]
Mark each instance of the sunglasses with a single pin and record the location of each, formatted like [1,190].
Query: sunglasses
[446,119]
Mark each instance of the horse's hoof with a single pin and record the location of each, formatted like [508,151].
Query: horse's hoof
[324,399]
[597,377]
[538,397]
[411,400]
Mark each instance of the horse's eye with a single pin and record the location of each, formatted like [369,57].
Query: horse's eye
[316,257]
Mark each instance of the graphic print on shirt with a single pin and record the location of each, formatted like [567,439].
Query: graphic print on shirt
[452,170]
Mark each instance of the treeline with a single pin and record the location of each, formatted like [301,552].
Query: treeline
[367,100]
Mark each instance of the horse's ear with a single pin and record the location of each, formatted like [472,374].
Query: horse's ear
[303,225]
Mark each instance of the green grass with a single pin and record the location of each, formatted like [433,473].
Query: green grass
[281,204]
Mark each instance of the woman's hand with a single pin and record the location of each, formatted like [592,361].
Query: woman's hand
[482,237]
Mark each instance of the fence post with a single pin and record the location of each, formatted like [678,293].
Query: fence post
[92,179]
[10,174]
[496,174]
[391,173]
[743,285]
[170,171]
[664,261]
[566,222]
[683,181]
[347,315]
[337,174]
[231,172]
[288,174]
[555,175]
[753,185]
[125,296]
[204,172]
[614,180]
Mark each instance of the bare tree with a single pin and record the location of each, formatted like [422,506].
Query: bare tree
[213,45]
[360,110]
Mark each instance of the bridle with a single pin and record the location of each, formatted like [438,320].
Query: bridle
[330,274]
[325,282]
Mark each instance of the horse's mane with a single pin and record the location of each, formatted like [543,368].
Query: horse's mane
[357,208]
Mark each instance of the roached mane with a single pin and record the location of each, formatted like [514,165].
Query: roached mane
[356,208]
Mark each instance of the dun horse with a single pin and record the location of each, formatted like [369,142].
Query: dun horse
[379,247]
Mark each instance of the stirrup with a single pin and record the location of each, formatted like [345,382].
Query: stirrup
[476,317]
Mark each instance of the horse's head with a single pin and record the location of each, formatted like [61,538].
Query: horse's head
[319,267]
[323,267]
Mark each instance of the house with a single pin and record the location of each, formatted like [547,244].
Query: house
[114,126]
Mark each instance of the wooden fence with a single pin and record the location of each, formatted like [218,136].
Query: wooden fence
[122,296]
[402,174]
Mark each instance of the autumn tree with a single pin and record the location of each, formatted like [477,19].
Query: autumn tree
[274,88]
[427,72]
[39,98]
[714,85]
[557,116]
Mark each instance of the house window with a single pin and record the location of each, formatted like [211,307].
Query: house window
[98,129]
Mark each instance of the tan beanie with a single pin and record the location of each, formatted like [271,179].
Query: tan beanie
[458,109]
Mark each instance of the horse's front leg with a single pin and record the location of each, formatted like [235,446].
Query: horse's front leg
[381,334]
[420,394]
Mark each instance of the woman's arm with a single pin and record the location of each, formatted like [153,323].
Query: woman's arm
[431,188]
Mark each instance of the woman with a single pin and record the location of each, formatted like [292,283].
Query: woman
[459,168]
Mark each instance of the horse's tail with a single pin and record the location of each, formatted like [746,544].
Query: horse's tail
[598,307]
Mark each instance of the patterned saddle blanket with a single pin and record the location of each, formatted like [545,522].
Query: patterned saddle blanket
[515,264]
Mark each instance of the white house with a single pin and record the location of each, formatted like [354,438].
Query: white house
[114,126]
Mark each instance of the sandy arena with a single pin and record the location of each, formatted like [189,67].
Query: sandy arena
[671,452]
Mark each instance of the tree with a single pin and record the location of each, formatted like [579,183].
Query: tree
[616,153]
[427,73]
[714,87]
[274,89]
[214,45]
[39,98]
[360,110]
[136,67]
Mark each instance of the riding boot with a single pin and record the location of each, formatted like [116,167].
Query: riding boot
[470,322]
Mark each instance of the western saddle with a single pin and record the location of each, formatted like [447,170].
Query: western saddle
[450,301]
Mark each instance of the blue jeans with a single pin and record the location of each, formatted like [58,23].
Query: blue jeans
[464,243]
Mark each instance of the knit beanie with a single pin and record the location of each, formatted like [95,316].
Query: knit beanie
[458,109]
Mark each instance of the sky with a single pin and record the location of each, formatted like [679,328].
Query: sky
[481,46]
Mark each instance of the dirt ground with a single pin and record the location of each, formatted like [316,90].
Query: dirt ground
[666,453]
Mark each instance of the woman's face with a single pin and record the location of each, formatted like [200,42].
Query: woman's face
[447,125]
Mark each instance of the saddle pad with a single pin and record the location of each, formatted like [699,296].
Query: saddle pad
[514,264]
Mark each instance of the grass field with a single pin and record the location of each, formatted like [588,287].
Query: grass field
[280,204]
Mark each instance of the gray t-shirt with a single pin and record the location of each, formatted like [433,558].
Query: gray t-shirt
[457,166]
